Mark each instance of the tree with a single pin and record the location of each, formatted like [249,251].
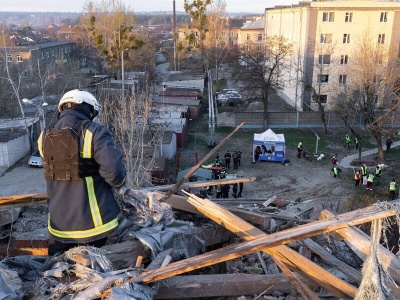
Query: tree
[110,24]
[372,89]
[197,11]
[130,121]
[262,67]
[217,47]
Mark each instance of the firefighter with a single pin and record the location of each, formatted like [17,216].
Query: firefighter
[363,172]
[378,173]
[81,204]
[347,140]
[300,149]
[392,189]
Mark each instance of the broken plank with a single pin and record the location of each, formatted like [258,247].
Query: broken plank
[278,238]
[362,242]
[216,182]
[249,232]
[222,285]
[157,262]
[22,198]
[332,260]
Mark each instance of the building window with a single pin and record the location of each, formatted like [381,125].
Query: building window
[381,38]
[344,59]
[259,37]
[223,43]
[61,51]
[42,55]
[324,59]
[383,16]
[342,79]
[52,52]
[248,37]
[47,54]
[19,58]
[222,33]
[346,38]
[259,48]
[9,58]
[377,79]
[328,17]
[323,78]
[231,43]
[326,38]
[323,99]
[231,33]
[349,17]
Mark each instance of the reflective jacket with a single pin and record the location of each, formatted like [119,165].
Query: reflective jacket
[370,178]
[378,172]
[83,211]
[364,171]
[392,186]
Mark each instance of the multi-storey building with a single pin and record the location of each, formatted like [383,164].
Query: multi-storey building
[324,35]
[252,33]
[43,53]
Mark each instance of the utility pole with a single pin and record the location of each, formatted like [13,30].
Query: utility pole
[174,33]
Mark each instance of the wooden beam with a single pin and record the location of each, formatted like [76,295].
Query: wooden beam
[332,260]
[249,232]
[201,162]
[237,250]
[22,198]
[362,242]
[216,182]
[222,285]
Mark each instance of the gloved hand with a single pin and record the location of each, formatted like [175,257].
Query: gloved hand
[122,191]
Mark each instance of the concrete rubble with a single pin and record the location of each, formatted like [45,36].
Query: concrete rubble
[167,248]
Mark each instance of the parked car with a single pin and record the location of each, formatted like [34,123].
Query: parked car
[229,96]
[35,160]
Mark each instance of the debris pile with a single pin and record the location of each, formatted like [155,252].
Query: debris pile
[156,254]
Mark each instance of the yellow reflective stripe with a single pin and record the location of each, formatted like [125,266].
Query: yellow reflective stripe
[39,142]
[87,145]
[94,208]
[84,233]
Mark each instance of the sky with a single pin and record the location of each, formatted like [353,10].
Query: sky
[233,6]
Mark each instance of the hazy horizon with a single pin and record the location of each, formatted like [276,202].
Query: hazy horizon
[233,6]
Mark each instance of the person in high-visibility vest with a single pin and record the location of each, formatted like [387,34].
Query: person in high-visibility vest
[347,140]
[378,173]
[392,189]
[370,182]
[357,178]
[336,171]
[363,172]
[299,148]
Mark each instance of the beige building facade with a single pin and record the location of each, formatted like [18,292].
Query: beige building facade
[325,34]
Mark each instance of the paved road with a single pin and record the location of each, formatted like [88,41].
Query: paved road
[22,179]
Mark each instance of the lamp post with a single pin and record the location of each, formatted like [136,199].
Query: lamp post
[41,112]
[122,70]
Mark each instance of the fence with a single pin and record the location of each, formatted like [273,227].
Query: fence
[306,119]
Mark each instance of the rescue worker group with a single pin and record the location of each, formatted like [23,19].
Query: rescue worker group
[365,176]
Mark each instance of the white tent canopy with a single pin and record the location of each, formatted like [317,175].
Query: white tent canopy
[269,146]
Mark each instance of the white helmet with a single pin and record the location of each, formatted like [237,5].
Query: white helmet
[78,97]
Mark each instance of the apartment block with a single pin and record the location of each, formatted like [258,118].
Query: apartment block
[325,34]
